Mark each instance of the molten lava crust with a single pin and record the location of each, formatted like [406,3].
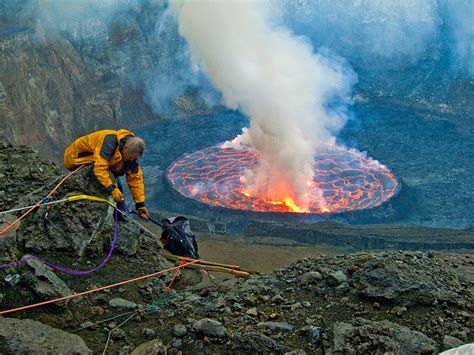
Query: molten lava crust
[345,178]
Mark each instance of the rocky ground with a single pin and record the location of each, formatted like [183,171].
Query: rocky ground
[367,302]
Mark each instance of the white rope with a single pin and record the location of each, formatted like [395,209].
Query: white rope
[24,208]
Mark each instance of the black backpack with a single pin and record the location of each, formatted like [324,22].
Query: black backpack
[178,238]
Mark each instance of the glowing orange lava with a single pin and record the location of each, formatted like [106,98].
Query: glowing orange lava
[345,178]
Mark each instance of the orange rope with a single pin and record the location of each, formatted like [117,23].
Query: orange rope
[96,289]
[3,231]
[180,266]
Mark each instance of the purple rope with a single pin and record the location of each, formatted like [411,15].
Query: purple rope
[64,269]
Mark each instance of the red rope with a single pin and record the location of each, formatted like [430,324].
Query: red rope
[3,231]
[180,266]
[97,289]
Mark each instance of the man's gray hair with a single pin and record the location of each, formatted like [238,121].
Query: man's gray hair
[135,145]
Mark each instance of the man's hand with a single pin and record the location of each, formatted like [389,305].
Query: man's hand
[117,195]
[143,212]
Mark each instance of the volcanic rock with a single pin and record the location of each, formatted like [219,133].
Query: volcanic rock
[121,303]
[179,330]
[450,342]
[75,227]
[369,337]
[17,177]
[312,333]
[309,278]
[209,327]
[44,282]
[413,278]
[256,343]
[154,347]
[26,336]
[276,326]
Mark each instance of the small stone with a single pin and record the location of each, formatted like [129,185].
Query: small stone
[312,333]
[121,303]
[180,330]
[295,306]
[237,306]
[252,312]
[97,311]
[310,277]
[118,333]
[398,311]
[276,326]
[210,327]
[220,302]
[336,278]
[148,332]
[177,344]
[277,298]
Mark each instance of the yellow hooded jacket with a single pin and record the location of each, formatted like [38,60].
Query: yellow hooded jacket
[103,149]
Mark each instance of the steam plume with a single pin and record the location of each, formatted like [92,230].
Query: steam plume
[278,81]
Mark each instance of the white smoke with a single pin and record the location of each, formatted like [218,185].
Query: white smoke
[277,80]
[458,18]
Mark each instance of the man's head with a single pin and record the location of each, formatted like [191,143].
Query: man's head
[133,148]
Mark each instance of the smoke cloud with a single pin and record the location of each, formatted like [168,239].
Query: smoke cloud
[388,33]
[458,20]
[294,97]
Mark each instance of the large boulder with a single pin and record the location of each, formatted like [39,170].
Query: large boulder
[408,278]
[26,336]
[74,228]
[363,336]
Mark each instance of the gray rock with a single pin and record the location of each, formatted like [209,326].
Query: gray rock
[177,344]
[154,347]
[148,332]
[25,336]
[276,326]
[256,343]
[312,333]
[44,282]
[180,330]
[121,303]
[369,337]
[450,342]
[252,312]
[210,327]
[407,279]
[336,278]
[277,298]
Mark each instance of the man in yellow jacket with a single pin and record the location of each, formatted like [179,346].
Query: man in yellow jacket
[113,152]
